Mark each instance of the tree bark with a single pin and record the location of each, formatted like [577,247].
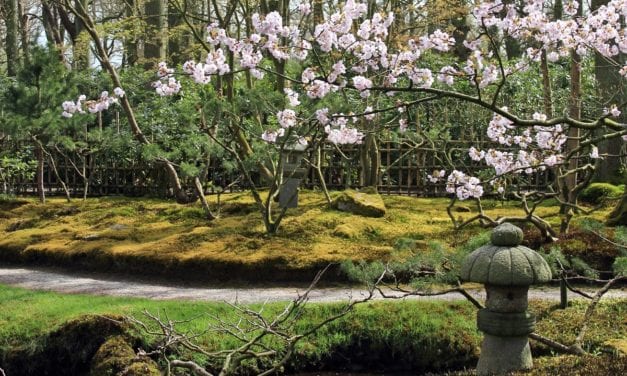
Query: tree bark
[24,19]
[370,162]
[569,184]
[39,154]
[80,47]
[156,46]
[610,90]
[12,32]
[131,47]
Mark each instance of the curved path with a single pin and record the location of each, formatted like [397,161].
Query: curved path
[99,284]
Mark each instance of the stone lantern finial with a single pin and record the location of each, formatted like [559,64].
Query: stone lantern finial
[507,269]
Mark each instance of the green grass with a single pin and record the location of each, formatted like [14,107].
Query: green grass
[378,335]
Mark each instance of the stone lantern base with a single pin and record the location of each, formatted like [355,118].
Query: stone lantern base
[505,345]
[500,355]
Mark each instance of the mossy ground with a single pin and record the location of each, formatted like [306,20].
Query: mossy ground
[153,236]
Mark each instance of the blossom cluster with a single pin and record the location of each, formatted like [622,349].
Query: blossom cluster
[167,84]
[364,62]
[463,186]
[100,104]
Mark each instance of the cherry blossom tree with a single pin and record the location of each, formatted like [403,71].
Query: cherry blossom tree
[348,55]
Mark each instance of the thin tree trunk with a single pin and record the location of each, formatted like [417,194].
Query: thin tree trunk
[547,91]
[53,164]
[39,154]
[203,200]
[569,193]
[318,168]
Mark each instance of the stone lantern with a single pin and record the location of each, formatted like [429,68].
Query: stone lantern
[507,269]
[293,173]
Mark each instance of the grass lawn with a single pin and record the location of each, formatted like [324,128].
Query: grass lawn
[151,236]
[378,335]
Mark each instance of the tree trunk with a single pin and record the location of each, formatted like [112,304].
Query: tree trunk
[569,183]
[80,47]
[39,154]
[24,18]
[370,162]
[131,47]
[12,32]
[610,90]
[50,24]
[156,47]
[568,186]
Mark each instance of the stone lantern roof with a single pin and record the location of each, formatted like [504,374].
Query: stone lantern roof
[505,262]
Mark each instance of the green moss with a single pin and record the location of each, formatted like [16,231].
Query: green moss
[141,369]
[68,350]
[347,231]
[157,237]
[113,356]
[597,193]
[572,365]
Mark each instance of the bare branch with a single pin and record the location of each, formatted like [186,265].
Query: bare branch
[190,365]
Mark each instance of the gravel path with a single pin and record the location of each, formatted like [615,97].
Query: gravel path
[96,284]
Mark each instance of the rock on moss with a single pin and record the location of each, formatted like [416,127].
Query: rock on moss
[360,203]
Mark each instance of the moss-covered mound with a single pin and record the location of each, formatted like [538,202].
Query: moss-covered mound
[585,245]
[161,238]
[366,204]
[116,357]
[67,350]
[597,193]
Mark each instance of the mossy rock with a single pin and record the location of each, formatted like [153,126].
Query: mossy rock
[143,368]
[68,350]
[116,358]
[585,245]
[597,193]
[113,356]
[360,203]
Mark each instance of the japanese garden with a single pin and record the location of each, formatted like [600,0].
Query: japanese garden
[313,187]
